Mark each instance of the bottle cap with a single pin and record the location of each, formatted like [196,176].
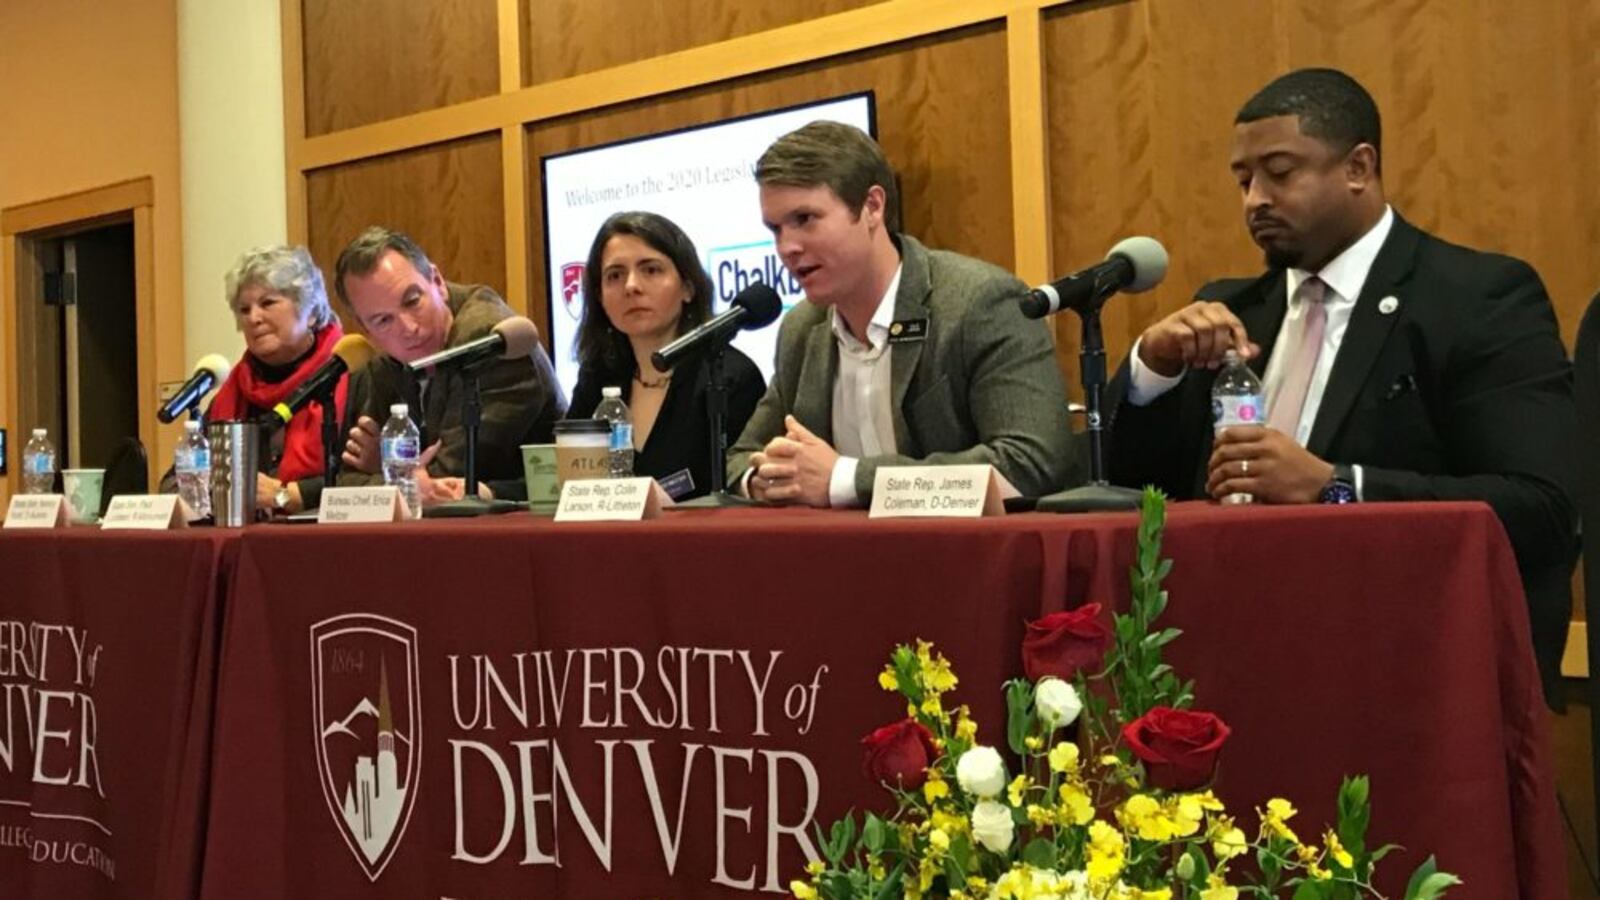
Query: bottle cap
[611,392]
[399,409]
[191,425]
[40,432]
[1230,356]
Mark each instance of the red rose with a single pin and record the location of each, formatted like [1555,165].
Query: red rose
[1066,643]
[1178,747]
[898,754]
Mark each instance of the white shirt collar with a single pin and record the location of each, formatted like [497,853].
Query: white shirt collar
[882,318]
[1347,273]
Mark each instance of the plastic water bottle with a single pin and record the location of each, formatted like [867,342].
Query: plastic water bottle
[38,464]
[1236,400]
[402,450]
[619,461]
[192,464]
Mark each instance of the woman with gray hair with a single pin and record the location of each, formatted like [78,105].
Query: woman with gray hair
[279,303]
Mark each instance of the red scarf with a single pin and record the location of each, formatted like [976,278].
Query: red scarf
[302,438]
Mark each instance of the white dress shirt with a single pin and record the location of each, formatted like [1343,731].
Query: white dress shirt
[863,396]
[1344,276]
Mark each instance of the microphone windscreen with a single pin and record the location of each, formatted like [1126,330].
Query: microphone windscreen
[761,302]
[355,350]
[1148,258]
[520,334]
[216,364]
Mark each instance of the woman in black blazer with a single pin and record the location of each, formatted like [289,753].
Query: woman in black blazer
[643,286]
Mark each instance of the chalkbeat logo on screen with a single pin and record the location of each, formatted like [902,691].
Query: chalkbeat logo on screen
[735,268]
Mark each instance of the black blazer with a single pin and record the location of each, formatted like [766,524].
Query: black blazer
[1462,392]
[680,440]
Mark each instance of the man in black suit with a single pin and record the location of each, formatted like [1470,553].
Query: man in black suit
[1396,366]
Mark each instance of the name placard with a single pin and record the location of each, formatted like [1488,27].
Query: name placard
[146,512]
[611,500]
[361,505]
[968,492]
[37,511]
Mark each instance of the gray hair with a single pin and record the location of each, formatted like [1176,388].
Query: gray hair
[289,271]
[364,253]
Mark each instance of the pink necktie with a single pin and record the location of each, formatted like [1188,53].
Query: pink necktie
[1291,396]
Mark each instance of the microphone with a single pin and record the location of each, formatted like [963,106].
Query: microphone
[757,306]
[209,371]
[510,339]
[350,354]
[1134,265]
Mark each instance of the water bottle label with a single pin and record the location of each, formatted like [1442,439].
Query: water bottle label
[401,448]
[183,460]
[202,457]
[621,436]
[41,464]
[1247,409]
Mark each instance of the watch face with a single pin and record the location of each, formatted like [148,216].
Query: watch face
[1339,492]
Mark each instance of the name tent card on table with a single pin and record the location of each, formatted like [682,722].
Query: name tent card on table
[611,500]
[361,505]
[146,512]
[37,511]
[965,492]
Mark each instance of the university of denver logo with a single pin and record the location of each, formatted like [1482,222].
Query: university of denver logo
[572,289]
[364,697]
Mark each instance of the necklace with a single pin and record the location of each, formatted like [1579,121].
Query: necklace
[658,383]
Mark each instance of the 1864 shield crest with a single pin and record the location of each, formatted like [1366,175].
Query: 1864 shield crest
[365,703]
[572,289]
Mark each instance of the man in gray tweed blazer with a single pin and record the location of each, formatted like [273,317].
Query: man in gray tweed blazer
[899,355]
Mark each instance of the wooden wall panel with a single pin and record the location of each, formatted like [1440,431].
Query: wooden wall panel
[570,37]
[446,197]
[1492,130]
[942,120]
[370,60]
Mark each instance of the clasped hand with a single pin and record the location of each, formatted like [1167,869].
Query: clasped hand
[796,467]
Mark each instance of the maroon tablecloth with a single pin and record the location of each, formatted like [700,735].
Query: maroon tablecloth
[107,667]
[512,708]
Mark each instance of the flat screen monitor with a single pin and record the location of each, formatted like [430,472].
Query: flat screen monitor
[701,178]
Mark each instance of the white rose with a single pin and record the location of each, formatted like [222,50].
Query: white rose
[1058,703]
[981,772]
[992,825]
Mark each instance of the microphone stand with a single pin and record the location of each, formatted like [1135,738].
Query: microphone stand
[330,435]
[1098,495]
[471,504]
[717,413]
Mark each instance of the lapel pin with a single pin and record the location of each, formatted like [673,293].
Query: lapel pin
[896,328]
[1388,305]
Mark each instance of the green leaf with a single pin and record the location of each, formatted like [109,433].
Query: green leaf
[1311,890]
[843,838]
[1019,715]
[1428,883]
[1270,867]
[1385,850]
[1040,853]
[1162,638]
[1355,812]
[872,834]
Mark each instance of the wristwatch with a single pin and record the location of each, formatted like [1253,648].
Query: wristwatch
[280,500]
[1341,488]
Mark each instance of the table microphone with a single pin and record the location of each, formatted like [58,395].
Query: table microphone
[511,338]
[350,354]
[757,306]
[210,371]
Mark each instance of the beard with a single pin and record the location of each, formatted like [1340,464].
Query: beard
[1279,256]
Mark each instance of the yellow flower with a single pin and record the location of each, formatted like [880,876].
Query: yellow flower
[1076,804]
[932,707]
[966,728]
[1219,891]
[1106,849]
[816,867]
[875,868]
[938,840]
[802,891]
[886,679]
[1147,818]
[1187,813]
[1018,787]
[977,883]
[1033,742]
[1040,815]
[1111,760]
[1228,844]
[1156,894]
[1279,812]
[1064,757]
[1337,851]
[935,788]
[948,822]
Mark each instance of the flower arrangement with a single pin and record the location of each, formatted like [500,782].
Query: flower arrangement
[1117,808]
